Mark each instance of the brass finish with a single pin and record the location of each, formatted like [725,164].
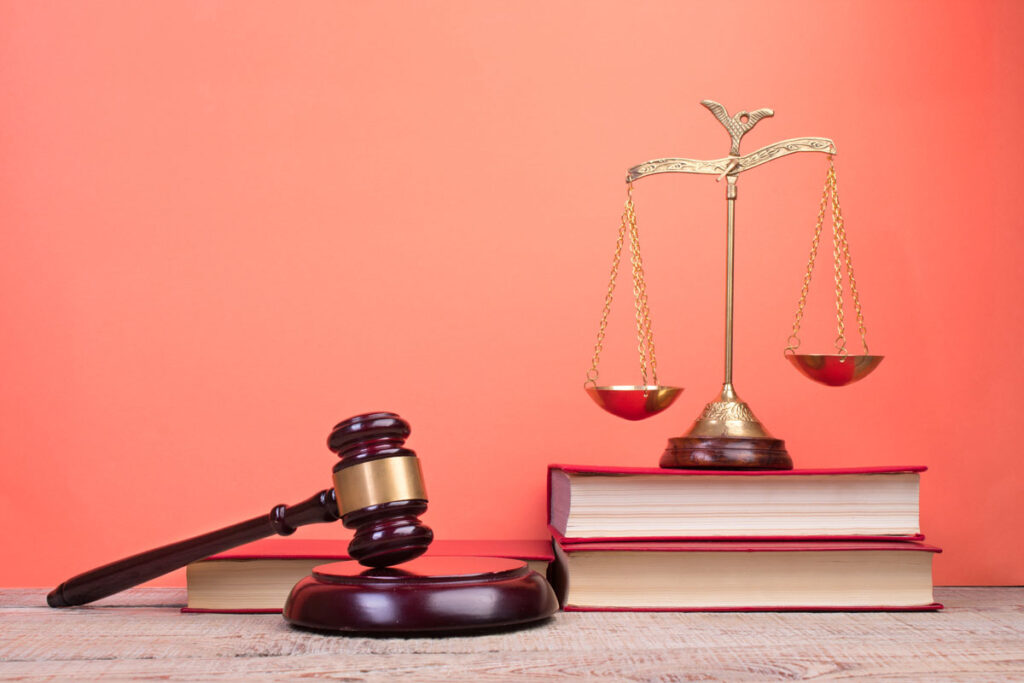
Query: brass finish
[730,262]
[379,481]
[727,435]
[728,417]
[840,257]
[644,333]
[794,339]
[648,398]
[634,402]
[832,369]
[714,438]
[837,369]
[737,125]
[594,373]
[743,163]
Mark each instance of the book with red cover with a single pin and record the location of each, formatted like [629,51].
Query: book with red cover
[590,503]
[252,578]
[744,576]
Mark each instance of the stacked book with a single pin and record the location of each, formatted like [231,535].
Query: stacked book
[677,540]
[257,577]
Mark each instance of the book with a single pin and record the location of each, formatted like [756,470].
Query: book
[257,577]
[744,576]
[610,504]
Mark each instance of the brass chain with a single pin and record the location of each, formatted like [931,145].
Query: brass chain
[841,256]
[793,343]
[837,250]
[593,373]
[645,335]
[838,219]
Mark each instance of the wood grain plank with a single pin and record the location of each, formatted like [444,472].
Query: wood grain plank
[136,597]
[141,634]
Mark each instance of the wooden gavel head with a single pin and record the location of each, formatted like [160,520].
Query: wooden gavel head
[379,488]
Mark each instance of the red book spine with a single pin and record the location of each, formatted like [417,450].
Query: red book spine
[931,607]
[597,469]
[734,546]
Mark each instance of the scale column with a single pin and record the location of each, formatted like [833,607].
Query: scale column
[730,250]
[727,434]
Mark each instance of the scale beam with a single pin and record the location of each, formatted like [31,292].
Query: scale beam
[722,166]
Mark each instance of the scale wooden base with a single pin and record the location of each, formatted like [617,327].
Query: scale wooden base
[426,596]
[718,453]
[727,435]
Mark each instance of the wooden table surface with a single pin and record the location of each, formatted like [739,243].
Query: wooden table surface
[141,634]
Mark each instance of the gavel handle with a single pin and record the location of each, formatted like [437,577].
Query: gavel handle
[131,571]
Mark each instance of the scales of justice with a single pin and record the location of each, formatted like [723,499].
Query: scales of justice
[727,435]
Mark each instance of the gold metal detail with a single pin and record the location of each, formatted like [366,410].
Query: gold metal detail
[840,257]
[833,370]
[379,481]
[634,402]
[737,125]
[730,263]
[720,166]
[644,332]
[728,418]
[727,411]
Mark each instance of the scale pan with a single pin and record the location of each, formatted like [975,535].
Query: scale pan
[634,402]
[832,369]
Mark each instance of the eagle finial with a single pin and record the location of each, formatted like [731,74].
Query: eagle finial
[737,125]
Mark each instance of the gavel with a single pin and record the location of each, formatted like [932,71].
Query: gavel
[378,491]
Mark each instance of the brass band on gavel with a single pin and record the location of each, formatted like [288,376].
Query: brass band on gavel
[379,481]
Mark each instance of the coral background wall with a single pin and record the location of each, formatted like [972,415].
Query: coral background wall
[225,226]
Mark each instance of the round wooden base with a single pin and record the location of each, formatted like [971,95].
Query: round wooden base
[426,595]
[726,453]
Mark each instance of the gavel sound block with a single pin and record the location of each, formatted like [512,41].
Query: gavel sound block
[378,491]
[379,481]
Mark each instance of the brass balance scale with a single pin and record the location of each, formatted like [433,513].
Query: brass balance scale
[727,435]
